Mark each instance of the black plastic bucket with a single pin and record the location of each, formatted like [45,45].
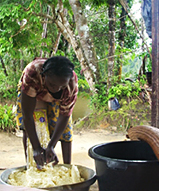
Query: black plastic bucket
[126,166]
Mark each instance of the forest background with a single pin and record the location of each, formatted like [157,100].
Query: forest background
[105,39]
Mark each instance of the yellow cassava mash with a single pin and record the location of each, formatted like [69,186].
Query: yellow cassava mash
[48,177]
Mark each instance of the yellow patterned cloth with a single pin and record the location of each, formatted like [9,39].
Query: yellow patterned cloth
[52,117]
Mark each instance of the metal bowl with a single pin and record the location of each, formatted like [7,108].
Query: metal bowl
[88,174]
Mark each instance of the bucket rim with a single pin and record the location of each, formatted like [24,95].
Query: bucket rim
[96,156]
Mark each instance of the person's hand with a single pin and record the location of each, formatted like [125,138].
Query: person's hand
[39,157]
[51,155]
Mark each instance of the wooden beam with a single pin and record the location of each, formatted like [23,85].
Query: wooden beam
[155,64]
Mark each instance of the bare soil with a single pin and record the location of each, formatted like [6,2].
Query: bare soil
[12,153]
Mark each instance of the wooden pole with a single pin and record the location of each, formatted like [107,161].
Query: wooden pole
[155,64]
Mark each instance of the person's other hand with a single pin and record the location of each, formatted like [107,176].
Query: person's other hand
[51,155]
[39,157]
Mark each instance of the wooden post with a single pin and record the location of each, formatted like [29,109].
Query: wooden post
[155,64]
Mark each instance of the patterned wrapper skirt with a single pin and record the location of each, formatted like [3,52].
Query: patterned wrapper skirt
[52,112]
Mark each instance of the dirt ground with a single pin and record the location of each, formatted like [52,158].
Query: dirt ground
[12,154]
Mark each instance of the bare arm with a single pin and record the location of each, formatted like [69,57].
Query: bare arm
[28,106]
[59,129]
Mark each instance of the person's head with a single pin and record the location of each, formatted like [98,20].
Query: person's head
[57,72]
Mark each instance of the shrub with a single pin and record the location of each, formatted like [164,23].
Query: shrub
[7,118]
[131,113]
[8,86]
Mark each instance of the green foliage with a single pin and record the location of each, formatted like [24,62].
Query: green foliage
[120,90]
[11,15]
[21,29]
[23,42]
[20,40]
[7,118]
[8,86]
[83,85]
[127,89]
[99,99]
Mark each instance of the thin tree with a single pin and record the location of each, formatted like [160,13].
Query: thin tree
[112,25]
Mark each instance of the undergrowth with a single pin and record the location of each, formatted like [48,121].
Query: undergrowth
[131,113]
[7,118]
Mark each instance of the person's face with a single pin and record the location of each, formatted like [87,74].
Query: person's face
[56,83]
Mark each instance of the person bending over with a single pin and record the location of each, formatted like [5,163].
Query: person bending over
[51,84]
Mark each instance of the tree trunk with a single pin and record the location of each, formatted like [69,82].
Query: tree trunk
[90,71]
[44,33]
[143,47]
[144,59]
[3,66]
[65,28]
[21,64]
[121,42]
[155,64]
[21,60]
[55,48]
[112,23]
[85,38]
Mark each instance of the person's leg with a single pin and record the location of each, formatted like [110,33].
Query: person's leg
[66,142]
[66,151]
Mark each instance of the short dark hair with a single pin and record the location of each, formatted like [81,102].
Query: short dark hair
[59,66]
